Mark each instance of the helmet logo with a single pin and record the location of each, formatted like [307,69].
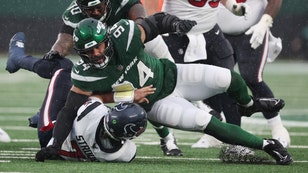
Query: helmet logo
[90,44]
[92,3]
[128,129]
[120,107]
[100,26]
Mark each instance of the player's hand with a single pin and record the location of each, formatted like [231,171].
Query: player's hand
[140,94]
[48,153]
[184,26]
[52,55]
[239,9]
[258,30]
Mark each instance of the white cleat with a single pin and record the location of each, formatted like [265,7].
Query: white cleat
[282,135]
[4,137]
[207,141]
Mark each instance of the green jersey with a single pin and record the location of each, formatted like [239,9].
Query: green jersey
[73,14]
[128,63]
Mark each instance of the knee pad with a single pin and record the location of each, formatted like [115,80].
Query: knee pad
[188,118]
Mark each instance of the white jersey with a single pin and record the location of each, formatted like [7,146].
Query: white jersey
[235,25]
[81,144]
[205,14]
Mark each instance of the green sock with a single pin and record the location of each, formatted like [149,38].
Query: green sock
[161,130]
[238,89]
[232,134]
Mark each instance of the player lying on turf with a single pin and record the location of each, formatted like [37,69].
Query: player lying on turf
[102,134]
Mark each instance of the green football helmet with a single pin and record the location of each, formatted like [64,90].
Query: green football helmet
[88,5]
[88,34]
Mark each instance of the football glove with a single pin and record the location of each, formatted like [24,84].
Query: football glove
[258,30]
[239,9]
[48,153]
[183,26]
[52,55]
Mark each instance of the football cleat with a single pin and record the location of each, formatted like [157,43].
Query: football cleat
[278,152]
[207,141]
[239,154]
[4,137]
[282,135]
[169,146]
[262,105]
[16,52]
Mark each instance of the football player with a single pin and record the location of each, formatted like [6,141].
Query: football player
[103,134]
[57,68]
[205,43]
[116,57]
[257,46]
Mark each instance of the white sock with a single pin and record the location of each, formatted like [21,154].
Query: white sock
[169,137]
[274,122]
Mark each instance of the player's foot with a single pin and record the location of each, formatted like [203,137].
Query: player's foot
[4,137]
[33,121]
[282,135]
[278,152]
[262,105]
[207,141]
[169,146]
[16,52]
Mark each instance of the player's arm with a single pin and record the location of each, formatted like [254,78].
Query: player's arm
[136,12]
[258,30]
[63,45]
[273,8]
[161,23]
[65,119]
[127,95]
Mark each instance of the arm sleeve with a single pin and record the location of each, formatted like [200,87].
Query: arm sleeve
[66,118]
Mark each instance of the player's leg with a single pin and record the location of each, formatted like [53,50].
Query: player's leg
[251,65]
[19,60]
[168,142]
[158,48]
[179,113]
[55,98]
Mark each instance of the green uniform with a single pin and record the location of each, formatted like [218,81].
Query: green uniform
[128,60]
[73,14]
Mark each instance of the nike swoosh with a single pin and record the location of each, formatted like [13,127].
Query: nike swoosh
[76,71]
[282,158]
[217,32]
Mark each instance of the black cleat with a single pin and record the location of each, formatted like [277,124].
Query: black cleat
[278,152]
[170,147]
[262,105]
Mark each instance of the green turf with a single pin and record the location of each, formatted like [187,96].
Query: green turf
[22,94]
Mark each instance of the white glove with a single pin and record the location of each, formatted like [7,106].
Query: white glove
[239,9]
[258,30]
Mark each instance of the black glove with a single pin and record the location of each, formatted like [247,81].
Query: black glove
[184,26]
[48,153]
[52,55]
